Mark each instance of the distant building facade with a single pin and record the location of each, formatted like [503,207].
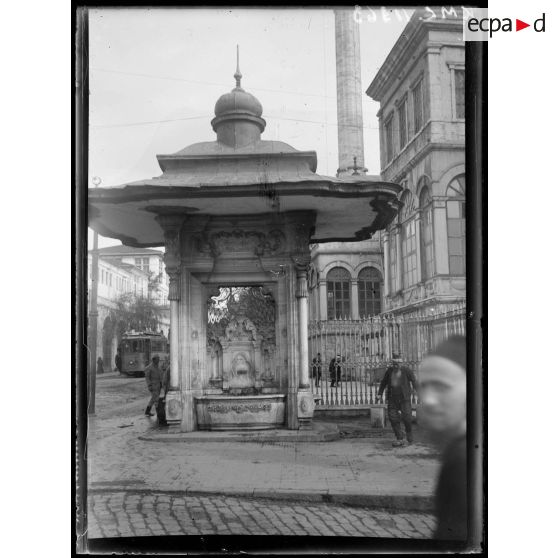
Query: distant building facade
[148,260]
[419,261]
[421,91]
[126,271]
[346,280]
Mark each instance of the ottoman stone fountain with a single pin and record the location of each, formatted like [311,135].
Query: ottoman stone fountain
[236,217]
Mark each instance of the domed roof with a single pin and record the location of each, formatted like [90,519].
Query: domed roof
[238,118]
[238,100]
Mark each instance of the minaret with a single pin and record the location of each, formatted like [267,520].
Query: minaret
[349,94]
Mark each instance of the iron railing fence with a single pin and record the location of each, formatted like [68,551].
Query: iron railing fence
[366,346]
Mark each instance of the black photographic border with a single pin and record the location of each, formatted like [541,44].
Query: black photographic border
[476,69]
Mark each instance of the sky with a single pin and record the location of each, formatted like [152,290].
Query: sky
[155,75]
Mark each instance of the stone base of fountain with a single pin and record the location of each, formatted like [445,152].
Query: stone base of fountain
[240,412]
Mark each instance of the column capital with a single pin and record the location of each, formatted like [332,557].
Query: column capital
[171,225]
[174,285]
[301,264]
[301,282]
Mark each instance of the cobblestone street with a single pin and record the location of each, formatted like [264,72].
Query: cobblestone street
[354,486]
[126,514]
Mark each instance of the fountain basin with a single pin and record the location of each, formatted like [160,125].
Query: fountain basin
[240,412]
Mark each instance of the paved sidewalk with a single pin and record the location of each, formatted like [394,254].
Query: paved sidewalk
[354,468]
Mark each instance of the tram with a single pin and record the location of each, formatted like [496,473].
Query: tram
[138,348]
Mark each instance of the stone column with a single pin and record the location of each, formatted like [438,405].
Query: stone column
[354,299]
[323,299]
[171,225]
[399,257]
[302,307]
[305,400]
[174,301]
[293,362]
[418,251]
[386,264]
[189,350]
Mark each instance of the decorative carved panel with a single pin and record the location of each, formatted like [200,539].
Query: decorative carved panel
[252,242]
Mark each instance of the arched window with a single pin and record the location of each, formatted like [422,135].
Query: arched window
[426,233]
[369,292]
[456,225]
[338,293]
[408,241]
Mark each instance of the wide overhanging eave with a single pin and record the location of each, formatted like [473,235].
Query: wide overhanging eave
[139,192]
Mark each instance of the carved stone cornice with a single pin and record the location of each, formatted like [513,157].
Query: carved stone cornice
[226,242]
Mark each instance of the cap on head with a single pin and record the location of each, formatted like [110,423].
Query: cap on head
[396,358]
[454,348]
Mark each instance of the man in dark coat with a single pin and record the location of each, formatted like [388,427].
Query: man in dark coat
[443,411]
[155,378]
[335,370]
[399,381]
[165,378]
[118,361]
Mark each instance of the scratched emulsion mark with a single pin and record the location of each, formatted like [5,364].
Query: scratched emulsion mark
[116,482]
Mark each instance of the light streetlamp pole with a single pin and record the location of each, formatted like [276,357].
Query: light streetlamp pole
[93,317]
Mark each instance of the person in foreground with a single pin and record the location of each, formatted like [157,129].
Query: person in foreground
[443,411]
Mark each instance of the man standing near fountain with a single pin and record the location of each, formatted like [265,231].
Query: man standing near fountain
[335,370]
[155,379]
[399,381]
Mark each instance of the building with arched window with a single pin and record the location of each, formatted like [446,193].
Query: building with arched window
[423,149]
[346,280]
[419,260]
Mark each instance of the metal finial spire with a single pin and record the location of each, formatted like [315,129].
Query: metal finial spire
[237,74]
